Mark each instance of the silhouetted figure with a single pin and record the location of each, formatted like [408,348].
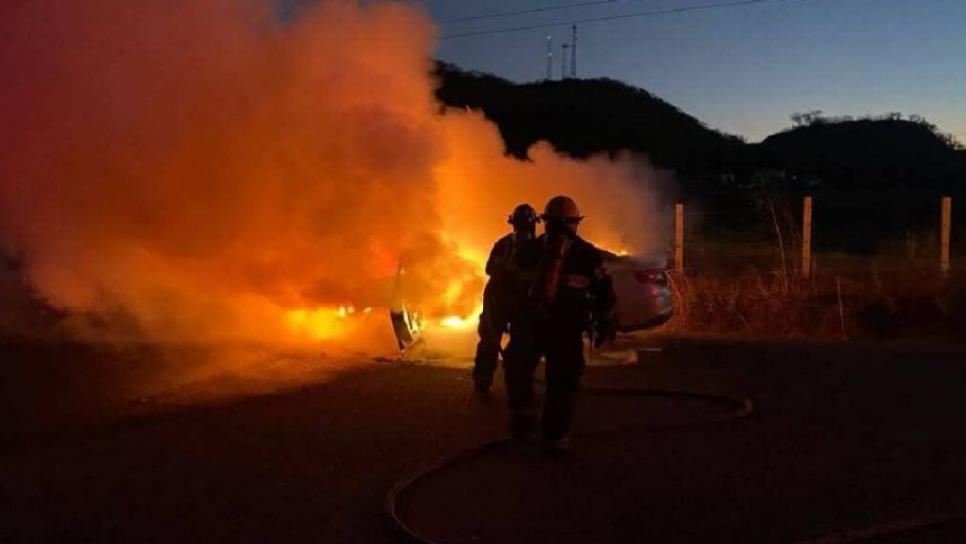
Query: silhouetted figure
[511,267]
[571,293]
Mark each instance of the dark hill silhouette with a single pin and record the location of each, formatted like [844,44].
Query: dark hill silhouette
[581,117]
[867,152]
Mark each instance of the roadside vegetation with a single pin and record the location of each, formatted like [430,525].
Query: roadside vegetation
[746,281]
[763,304]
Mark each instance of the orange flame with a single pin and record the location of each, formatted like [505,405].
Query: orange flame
[196,170]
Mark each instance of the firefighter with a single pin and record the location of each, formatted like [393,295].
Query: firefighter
[571,294]
[510,268]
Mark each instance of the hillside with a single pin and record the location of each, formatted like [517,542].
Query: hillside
[581,117]
[864,153]
[585,116]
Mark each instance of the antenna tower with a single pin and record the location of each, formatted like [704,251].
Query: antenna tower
[573,53]
[549,57]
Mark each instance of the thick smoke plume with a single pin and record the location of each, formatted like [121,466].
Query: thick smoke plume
[197,170]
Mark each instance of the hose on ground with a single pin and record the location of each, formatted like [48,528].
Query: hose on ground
[741,407]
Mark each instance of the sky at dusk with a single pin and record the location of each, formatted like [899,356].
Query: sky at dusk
[744,69]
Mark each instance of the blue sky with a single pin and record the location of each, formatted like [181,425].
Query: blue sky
[743,69]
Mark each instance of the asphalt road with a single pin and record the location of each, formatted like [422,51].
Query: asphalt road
[846,437]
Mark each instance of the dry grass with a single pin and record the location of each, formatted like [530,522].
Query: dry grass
[861,302]
[748,284]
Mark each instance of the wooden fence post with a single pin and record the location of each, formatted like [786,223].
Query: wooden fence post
[807,238]
[946,226]
[679,236]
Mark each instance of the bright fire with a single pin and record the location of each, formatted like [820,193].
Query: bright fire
[197,170]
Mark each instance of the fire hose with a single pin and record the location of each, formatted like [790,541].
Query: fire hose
[741,407]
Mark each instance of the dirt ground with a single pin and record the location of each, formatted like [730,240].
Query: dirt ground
[847,436]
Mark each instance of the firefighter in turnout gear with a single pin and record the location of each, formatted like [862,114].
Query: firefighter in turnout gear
[511,267]
[571,294]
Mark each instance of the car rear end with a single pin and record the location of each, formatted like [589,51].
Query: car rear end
[643,292]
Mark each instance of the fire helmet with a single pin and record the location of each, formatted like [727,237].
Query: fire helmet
[562,208]
[523,216]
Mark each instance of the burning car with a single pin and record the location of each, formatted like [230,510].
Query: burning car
[641,283]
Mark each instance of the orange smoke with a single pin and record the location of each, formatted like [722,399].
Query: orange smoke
[196,170]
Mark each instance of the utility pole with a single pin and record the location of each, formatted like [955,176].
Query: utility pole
[807,238]
[549,58]
[573,53]
[946,222]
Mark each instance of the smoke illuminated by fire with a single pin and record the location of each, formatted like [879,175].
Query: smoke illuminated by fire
[197,170]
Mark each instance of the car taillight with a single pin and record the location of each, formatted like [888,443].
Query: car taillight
[655,277]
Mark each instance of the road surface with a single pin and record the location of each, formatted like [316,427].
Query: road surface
[847,436]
